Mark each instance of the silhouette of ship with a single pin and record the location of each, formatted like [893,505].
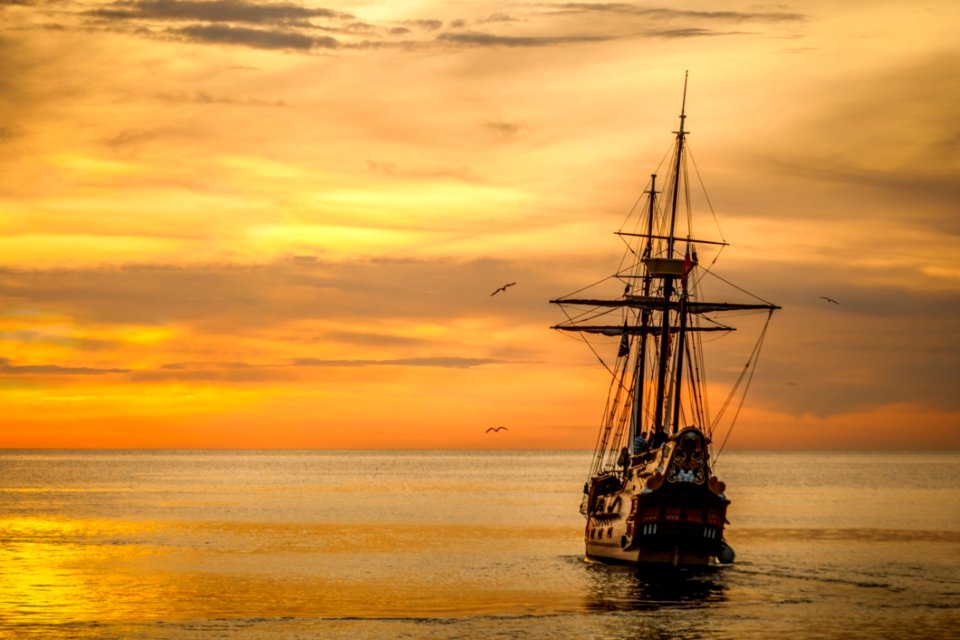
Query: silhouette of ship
[651,495]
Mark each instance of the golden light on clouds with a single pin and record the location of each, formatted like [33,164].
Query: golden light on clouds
[264,224]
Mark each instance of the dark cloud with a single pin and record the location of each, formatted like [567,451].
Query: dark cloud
[216,11]
[132,138]
[183,366]
[667,14]
[898,162]
[255,38]
[202,97]
[236,22]
[843,356]
[372,339]
[478,39]
[6,369]
[506,128]
[880,345]
[497,17]
[243,372]
[429,25]
[441,361]
[8,133]
[360,27]
[689,32]
[294,26]
[234,372]
[242,298]
[29,336]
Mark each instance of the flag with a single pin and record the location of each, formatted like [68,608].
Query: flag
[624,343]
[687,267]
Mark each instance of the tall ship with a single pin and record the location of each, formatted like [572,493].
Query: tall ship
[652,495]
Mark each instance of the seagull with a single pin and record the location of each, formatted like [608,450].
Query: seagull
[495,429]
[829,299]
[503,288]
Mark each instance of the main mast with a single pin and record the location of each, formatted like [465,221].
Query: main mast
[664,359]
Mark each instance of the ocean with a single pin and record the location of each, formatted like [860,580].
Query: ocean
[455,544]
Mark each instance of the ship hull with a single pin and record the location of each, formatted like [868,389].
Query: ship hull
[664,507]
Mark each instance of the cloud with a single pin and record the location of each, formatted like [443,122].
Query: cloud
[479,39]
[371,338]
[689,32]
[506,128]
[6,369]
[216,11]
[256,38]
[203,97]
[429,25]
[497,17]
[243,372]
[30,336]
[235,22]
[669,14]
[436,361]
[231,372]
[233,297]
[842,155]
[294,26]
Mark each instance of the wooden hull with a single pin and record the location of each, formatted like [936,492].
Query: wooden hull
[664,508]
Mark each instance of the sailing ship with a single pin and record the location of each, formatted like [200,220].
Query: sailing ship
[651,494]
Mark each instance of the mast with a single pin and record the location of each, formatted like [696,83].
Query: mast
[653,405]
[681,343]
[636,425]
[663,362]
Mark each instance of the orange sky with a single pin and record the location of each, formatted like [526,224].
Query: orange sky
[278,224]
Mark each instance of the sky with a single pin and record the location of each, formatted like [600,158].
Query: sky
[243,224]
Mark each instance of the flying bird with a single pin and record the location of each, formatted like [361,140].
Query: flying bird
[829,299]
[503,288]
[495,429]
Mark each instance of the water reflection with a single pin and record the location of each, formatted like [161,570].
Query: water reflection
[626,588]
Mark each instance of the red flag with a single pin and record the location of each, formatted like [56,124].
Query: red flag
[687,268]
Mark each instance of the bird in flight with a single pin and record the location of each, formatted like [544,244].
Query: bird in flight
[495,429]
[503,288]
[829,299]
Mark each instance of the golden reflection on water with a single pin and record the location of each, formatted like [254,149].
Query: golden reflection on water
[58,572]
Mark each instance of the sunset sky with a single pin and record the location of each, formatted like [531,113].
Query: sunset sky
[234,223]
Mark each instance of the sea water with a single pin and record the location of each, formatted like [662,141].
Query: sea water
[444,544]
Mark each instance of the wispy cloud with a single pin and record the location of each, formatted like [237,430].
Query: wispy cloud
[434,361]
[222,372]
[240,297]
[8,369]
[660,13]
[303,28]
[257,38]
[479,39]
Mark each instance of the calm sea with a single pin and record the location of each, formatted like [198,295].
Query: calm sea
[431,544]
